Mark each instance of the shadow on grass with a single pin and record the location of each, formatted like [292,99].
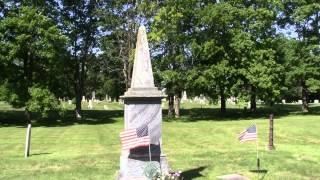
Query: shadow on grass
[90,117]
[39,154]
[15,117]
[193,173]
[259,172]
[233,114]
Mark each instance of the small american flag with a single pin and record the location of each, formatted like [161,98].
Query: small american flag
[250,134]
[131,138]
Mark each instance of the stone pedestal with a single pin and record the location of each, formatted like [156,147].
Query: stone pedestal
[138,112]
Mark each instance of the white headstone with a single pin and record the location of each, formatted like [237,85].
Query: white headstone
[120,101]
[249,105]
[90,105]
[184,96]
[316,101]
[283,101]
[93,95]
[197,99]
[83,98]
[299,101]
[69,102]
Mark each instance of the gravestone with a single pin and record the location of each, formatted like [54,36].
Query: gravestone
[299,101]
[120,101]
[69,102]
[249,105]
[28,140]
[184,96]
[316,101]
[83,99]
[142,106]
[283,101]
[93,95]
[231,100]
[90,105]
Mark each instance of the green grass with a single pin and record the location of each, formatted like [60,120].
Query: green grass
[202,143]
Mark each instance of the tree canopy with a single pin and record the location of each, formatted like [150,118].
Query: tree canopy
[219,49]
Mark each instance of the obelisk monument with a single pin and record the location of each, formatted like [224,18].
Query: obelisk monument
[142,106]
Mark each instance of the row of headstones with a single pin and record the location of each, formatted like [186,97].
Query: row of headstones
[232,100]
[198,99]
[91,101]
[316,101]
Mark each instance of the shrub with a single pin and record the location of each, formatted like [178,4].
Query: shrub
[42,101]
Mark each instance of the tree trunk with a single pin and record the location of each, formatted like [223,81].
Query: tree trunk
[126,74]
[177,99]
[223,108]
[78,92]
[253,104]
[78,88]
[170,105]
[305,107]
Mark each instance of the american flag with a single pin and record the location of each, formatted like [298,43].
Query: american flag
[131,138]
[250,134]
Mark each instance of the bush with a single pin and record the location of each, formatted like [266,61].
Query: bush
[42,101]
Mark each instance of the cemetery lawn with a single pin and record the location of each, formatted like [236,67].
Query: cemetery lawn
[202,144]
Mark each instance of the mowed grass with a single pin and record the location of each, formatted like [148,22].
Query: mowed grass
[202,143]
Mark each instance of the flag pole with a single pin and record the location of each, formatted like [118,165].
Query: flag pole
[257,147]
[149,153]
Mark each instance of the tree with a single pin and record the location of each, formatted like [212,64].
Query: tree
[30,46]
[214,72]
[303,54]
[121,20]
[169,37]
[80,23]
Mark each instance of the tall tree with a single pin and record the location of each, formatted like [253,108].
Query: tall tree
[30,45]
[304,55]
[171,47]
[80,22]
[121,21]
[212,52]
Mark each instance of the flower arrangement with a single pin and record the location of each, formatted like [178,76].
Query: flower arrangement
[152,171]
[172,175]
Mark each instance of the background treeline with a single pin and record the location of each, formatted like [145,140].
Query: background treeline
[249,49]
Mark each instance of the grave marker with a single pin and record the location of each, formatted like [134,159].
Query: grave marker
[271,146]
[28,140]
[142,106]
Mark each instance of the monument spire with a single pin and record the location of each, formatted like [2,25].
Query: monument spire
[142,76]
[142,82]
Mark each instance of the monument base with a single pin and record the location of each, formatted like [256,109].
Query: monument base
[135,168]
